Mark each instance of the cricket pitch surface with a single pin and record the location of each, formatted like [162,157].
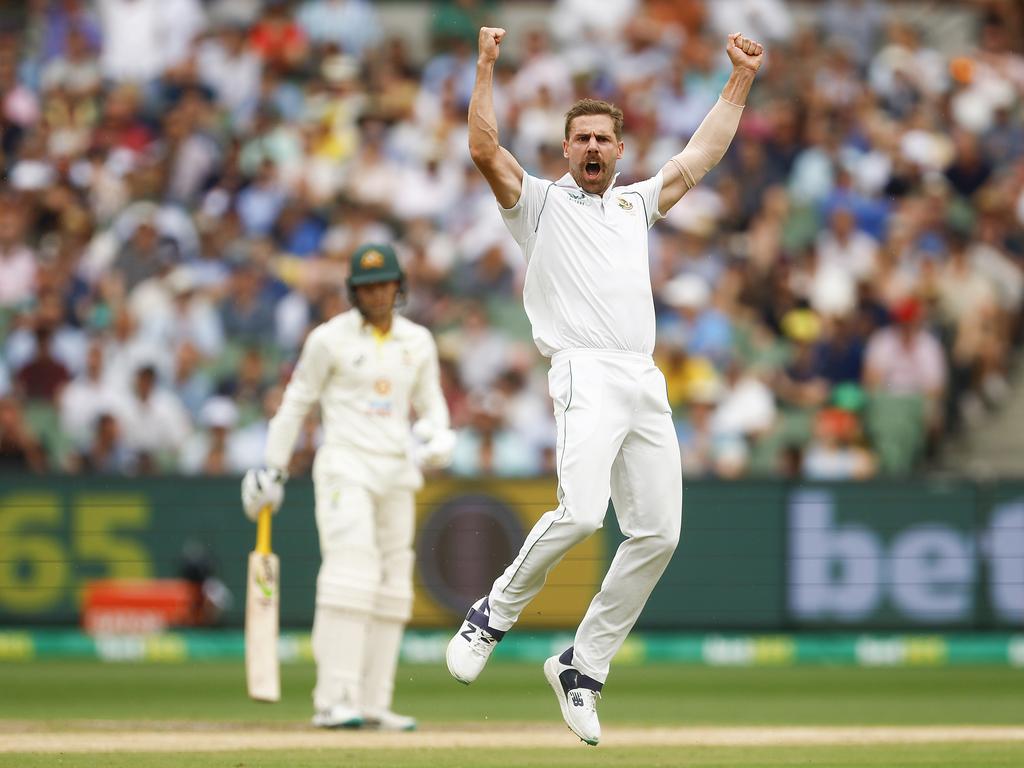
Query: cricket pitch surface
[170,736]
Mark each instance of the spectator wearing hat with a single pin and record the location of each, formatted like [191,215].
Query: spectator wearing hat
[837,451]
[906,359]
[801,382]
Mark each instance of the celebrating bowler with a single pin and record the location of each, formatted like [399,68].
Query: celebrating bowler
[588,296]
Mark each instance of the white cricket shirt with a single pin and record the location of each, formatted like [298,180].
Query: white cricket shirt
[365,385]
[588,282]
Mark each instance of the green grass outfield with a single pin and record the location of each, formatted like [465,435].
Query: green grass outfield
[57,697]
[942,756]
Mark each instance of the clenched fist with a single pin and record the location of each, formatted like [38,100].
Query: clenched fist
[744,52]
[490,39]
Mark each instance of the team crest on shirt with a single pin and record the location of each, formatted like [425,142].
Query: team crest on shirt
[625,205]
[380,403]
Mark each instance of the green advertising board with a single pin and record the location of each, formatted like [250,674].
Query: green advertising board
[883,554]
[1001,556]
[904,555]
[727,571]
[753,555]
[59,533]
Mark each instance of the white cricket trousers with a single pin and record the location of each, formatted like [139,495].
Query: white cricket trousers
[615,439]
[365,516]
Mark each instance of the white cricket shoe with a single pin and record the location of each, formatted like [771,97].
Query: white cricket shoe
[577,700]
[472,645]
[386,720]
[337,716]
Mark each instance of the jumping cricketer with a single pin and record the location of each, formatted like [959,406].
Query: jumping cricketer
[588,296]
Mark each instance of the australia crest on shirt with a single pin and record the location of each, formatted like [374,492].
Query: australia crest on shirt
[380,403]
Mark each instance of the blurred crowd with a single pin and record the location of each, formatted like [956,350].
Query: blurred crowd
[184,181]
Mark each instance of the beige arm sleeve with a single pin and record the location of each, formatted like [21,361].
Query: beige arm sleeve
[709,142]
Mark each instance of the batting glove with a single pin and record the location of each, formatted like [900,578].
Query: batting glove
[262,488]
[436,453]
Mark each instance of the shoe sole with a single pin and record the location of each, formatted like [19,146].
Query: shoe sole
[551,673]
[344,724]
[448,661]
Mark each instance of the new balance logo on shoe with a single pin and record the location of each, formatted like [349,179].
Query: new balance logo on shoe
[577,697]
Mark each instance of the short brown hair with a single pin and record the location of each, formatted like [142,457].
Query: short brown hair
[594,107]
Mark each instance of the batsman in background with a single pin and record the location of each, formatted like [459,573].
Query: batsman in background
[588,296]
[365,367]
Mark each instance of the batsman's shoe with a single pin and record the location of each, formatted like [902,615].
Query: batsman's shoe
[577,696]
[472,645]
[387,720]
[338,716]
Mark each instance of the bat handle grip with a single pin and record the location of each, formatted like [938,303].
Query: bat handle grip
[263,531]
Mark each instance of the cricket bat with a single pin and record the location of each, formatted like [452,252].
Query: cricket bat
[262,599]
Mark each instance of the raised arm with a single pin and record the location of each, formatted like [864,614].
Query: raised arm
[496,163]
[709,142]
